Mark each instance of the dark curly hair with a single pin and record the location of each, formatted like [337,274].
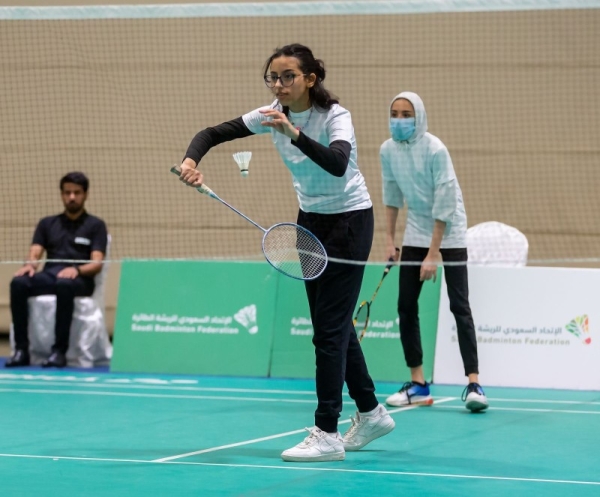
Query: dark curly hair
[319,96]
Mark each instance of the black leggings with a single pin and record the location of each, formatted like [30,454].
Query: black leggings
[332,300]
[457,284]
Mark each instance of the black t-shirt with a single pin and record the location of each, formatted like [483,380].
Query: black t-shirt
[63,238]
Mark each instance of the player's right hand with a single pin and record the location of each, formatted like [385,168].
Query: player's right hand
[26,270]
[190,175]
[392,253]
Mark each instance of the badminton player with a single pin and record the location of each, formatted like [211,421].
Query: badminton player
[314,136]
[417,170]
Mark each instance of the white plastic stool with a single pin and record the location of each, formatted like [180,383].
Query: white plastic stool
[89,344]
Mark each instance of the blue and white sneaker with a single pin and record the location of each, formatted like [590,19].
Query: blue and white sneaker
[410,394]
[474,398]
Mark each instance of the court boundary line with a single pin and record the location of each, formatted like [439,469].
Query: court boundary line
[149,386]
[263,399]
[543,401]
[526,409]
[25,381]
[307,468]
[272,437]
[156,396]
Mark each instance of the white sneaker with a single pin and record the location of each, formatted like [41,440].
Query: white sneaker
[365,428]
[474,398]
[318,446]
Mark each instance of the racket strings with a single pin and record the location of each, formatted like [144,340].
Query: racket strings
[294,251]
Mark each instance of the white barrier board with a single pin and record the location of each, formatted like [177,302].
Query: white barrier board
[535,327]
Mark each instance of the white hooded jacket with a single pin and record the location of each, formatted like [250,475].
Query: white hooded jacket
[419,171]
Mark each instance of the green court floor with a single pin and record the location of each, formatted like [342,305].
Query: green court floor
[75,433]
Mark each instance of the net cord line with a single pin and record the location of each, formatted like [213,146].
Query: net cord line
[258,257]
[279,9]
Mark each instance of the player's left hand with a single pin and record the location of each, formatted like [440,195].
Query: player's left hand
[430,265]
[68,272]
[280,123]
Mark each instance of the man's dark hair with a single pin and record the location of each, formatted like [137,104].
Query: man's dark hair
[77,178]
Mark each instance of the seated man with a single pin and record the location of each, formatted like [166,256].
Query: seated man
[73,235]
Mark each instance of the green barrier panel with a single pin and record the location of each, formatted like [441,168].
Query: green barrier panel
[248,321]
[195,317]
[293,352]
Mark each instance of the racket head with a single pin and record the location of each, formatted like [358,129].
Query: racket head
[361,319]
[294,251]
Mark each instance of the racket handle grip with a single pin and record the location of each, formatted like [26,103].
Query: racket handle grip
[391,259]
[202,189]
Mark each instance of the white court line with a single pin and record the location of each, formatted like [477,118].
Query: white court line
[271,437]
[156,395]
[161,384]
[540,401]
[229,446]
[168,396]
[158,387]
[135,386]
[310,468]
[525,409]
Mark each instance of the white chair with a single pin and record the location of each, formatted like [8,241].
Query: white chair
[497,244]
[89,344]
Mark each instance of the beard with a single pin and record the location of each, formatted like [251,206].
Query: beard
[73,207]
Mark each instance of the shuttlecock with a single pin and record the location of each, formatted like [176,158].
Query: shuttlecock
[243,161]
[246,316]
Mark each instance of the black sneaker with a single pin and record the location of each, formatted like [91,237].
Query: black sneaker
[56,360]
[18,359]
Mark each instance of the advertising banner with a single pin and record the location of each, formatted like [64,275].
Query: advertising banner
[293,352]
[195,317]
[535,327]
[245,319]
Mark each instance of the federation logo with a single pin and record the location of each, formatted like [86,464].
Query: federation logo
[580,328]
[246,316]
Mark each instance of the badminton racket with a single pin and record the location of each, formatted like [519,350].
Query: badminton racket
[361,318]
[288,247]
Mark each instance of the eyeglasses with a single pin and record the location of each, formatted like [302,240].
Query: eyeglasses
[286,80]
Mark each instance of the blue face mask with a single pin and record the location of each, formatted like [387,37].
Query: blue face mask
[402,129]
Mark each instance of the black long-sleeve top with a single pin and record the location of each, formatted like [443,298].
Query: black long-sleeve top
[333,159]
